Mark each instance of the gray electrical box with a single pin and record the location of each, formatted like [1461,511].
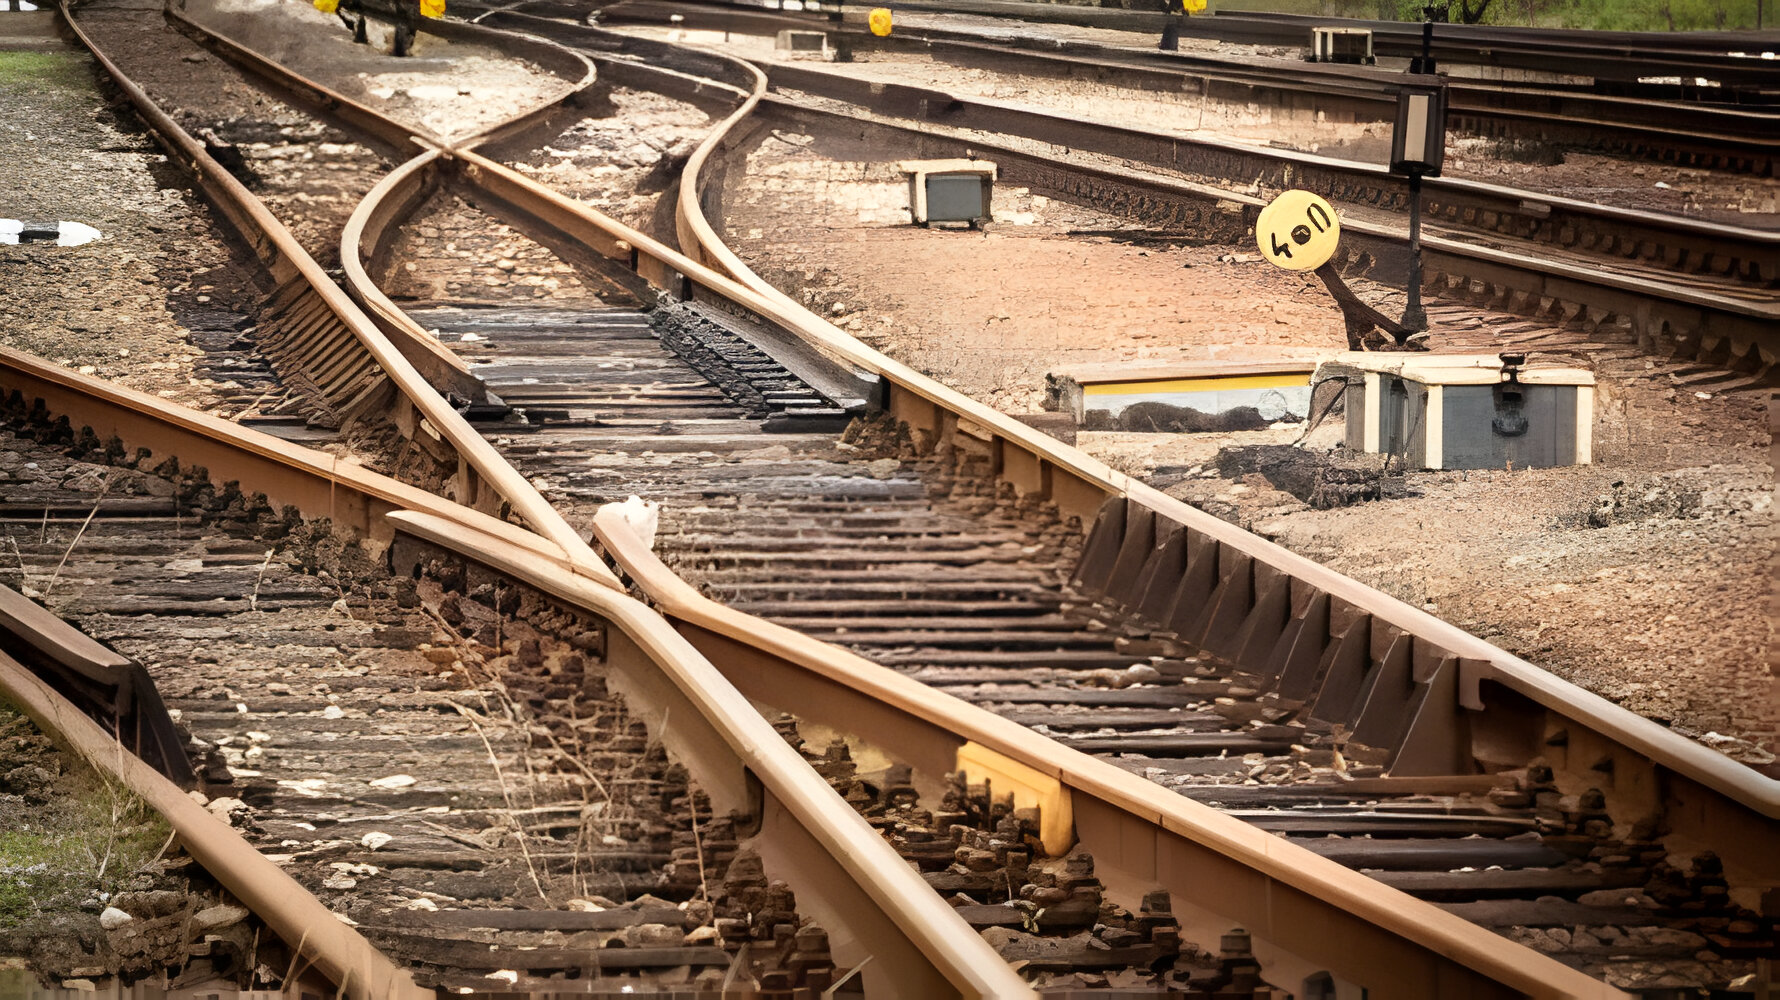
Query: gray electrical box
[950,190]
[958,197]
[1461,411]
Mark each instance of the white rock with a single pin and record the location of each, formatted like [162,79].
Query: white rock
[507,976]
[422,903]
[333,712]
[113,918]
[375,839]
[231,811]
[393,781]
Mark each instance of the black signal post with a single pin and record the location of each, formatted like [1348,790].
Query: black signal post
[1418,147]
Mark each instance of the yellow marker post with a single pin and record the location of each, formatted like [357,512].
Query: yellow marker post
[879,21]
[1193,6]
[432,8]
[327,6]
[1298,231]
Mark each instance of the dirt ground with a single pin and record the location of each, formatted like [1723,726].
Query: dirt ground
[1665,613]
[118,307]
[453,89]
[86,880]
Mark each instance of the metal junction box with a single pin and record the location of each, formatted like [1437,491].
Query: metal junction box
[1464,411]
[1341,45]
[950,190]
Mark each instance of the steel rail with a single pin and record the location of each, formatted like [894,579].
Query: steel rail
[1749,254]
[1736,332]
[427,415]
[1074,481]
[1708,794]
[921,947]
[1426,938]
[841,869]
[1742,136]
[1392,944]
[1612,55]
[926,949]
[114,689]
[315,934]
[1719,797]
[1404,940]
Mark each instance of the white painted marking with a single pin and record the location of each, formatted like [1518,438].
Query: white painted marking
[74,234]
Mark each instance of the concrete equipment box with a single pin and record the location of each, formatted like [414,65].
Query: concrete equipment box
[1468,411]
[1342,45]
[950,190]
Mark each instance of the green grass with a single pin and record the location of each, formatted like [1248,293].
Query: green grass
[90,837]
[45,70]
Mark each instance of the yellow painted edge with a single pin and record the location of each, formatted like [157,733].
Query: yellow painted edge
[1208,384]
[1031,787]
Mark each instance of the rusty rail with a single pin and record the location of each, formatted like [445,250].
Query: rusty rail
[1308,913]
[332,325]
[313,931]
[1078,484]
[1732,329]
[847,873]
[828,853]
[1669,240]
[1425,943]
[1033,462]
[113,689]
[1241,583]
[870,900]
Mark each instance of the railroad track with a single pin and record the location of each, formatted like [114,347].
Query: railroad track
[1692,289]
[1417,945]
[1731,58]
[1644,124]
[374,682]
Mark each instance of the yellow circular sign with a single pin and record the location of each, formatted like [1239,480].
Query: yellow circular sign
[1298,231]
[879,21]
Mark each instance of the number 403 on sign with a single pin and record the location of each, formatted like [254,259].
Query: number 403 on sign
[1298,231]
